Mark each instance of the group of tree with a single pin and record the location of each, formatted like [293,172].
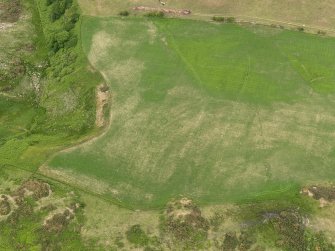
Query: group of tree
[62,35]
[58,8]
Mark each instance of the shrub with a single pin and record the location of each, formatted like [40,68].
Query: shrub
[49,2]
[71,17]
[58,8]
[137,236]
[219,19]
[322,33]
[159,14]
[56,11]
[230,241]
[124,13]
[58,41]
[72,42]
[189,230]
[230,20]
[300,28]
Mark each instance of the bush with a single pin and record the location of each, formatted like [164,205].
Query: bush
[49,2]
[158,14]
[58,41]
[230,20]
[71,17]
[230,241]
[124,13]
[322,33]
[300,28]
[224,19]
[219,19]
[137,236]
[56,11]
[71,42]
[58,8]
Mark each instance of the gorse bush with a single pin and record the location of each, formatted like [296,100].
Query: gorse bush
[58,8]
[322,33]
[224,19]
[218,19]
[137,236]
[157,14]
[231,20]
[124,13]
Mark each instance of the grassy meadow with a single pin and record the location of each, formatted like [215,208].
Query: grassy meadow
[218,113]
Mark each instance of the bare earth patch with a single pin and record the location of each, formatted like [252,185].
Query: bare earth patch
[164,10]
[102,100]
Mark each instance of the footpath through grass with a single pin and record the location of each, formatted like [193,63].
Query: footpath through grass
[217,113]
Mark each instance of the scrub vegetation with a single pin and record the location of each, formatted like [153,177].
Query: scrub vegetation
[47,94]
[38,116]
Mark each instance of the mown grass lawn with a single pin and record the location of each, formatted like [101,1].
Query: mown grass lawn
[218,113]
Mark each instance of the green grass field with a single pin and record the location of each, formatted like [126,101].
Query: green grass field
[218,113]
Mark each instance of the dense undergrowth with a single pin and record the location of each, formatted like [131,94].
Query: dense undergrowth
[47,86]
[70,108]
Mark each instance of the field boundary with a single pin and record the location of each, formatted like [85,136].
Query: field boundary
[268,21]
